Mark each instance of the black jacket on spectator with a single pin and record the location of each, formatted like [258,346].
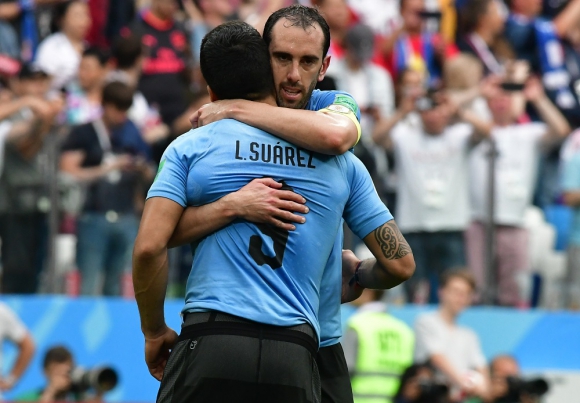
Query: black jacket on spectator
[163,80]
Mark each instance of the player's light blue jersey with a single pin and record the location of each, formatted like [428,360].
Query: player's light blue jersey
[330,289]
[256,271]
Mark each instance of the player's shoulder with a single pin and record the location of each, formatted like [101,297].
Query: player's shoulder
[321,99]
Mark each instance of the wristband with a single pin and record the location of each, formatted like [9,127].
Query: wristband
[354,279]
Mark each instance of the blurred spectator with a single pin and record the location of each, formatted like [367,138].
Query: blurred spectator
[23,186]
[57,364]
[112,158]
[83,98]
[165,77]
[60,53]
[571,188]
[9,43]
[539,42]
[453,350]
[381,15]
[518,147]
[418,385]
[108,17]
[431,161]
[502,367]
[409,87]
[377,347]
[128,58]
[463,80]
[412,46]
[372,88]
[482,23]
[64,382]
[339,18]
[12,328]
[205,15]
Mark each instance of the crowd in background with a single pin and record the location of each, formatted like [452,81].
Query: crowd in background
[91,93]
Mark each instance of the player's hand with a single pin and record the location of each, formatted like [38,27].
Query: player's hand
[350,292]
[212,112]
[262,201]
[157,350]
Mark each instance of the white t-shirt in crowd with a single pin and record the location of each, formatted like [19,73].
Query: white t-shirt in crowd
[458,344]
[58,57]
[432,176]
[11,327]
[515,176]
[382,16]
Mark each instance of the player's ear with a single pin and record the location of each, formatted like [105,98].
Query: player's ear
[212,95]
[324,68]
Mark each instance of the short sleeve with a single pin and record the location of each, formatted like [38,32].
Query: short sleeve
[571,175]
[364,210]
[12,326]
[171,179]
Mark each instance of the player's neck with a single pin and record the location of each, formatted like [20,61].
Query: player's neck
[270,100]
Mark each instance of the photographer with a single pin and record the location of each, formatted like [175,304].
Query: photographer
[508,387]
[418,385]
[65,383]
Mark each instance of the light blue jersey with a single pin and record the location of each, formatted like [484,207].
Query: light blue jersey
[330,289]
[256,271]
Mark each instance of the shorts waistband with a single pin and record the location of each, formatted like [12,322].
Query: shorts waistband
[218,323]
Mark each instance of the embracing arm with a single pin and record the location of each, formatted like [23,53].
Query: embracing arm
[260,201]
[160,217]
[393,263]
[321,131]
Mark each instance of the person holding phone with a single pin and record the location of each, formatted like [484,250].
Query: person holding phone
[518,146]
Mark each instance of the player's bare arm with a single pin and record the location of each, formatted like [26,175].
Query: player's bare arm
[260,201]
[393,263]
[150,276]
[325,131]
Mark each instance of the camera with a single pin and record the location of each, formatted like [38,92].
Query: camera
[433,392]
[101,379]
[517,387]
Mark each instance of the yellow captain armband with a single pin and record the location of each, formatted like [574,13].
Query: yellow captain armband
[343,110]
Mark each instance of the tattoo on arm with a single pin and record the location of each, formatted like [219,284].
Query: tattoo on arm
[392,243]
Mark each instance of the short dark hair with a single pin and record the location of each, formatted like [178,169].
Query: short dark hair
[235,62]
[100,54]
[302,17]
[459,273]
[118,94]
[471,13]
[56,354]
[126,51]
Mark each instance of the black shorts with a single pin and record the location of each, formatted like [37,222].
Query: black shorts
[220,358]
[334,377]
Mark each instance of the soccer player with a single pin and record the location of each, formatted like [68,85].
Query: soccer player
[250,329]
[298,39]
